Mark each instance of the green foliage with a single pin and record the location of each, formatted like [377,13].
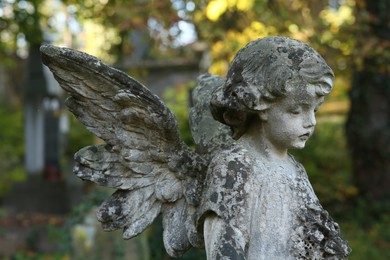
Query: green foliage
[124,18]
[326,160]
[63,234]
[75,244]
[328,164]
[77,137]
[366,227]
[20,24]
[11,147]
[177,99]
[37,256]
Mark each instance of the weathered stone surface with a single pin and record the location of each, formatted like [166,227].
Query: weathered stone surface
[210,136]
[257,199]
[241,195]
[144,156]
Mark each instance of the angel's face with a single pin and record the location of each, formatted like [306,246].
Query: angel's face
[290,121]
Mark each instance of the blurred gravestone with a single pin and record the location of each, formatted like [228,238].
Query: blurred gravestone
[43,191]
[35,90]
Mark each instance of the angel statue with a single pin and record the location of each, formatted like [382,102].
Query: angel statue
[240,194]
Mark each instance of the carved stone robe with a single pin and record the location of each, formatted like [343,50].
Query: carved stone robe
[266,214]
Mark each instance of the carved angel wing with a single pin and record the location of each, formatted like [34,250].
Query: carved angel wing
[144,157]
[210,136]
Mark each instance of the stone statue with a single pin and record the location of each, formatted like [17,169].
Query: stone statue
[240,195]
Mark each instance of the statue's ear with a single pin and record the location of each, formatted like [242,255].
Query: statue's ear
[263,115]
[257,102]
[261,107]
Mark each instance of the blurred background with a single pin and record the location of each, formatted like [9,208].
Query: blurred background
[47,213]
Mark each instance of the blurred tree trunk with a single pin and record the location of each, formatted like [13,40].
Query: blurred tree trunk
[368,125]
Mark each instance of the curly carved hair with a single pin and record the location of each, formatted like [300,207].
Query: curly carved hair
[261,71]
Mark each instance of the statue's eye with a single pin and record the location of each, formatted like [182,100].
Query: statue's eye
[295,111]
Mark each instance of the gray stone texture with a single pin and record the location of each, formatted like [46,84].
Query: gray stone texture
[240,194]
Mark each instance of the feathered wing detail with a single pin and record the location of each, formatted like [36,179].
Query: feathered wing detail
[210,136]
[144,157]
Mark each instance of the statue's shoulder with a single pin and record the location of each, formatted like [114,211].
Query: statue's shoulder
[227,189]
[229,175]
[233,162]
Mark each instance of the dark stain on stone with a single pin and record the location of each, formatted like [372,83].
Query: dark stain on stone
[102,181]
[229,182]
[282,49]
[93,149]
[214,197]
[296,57]
[230,252]
[229,249]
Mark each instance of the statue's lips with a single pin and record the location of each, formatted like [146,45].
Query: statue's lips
[305,136]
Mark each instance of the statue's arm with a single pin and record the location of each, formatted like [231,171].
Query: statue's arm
[221,240]
[223,211]
[212,229]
